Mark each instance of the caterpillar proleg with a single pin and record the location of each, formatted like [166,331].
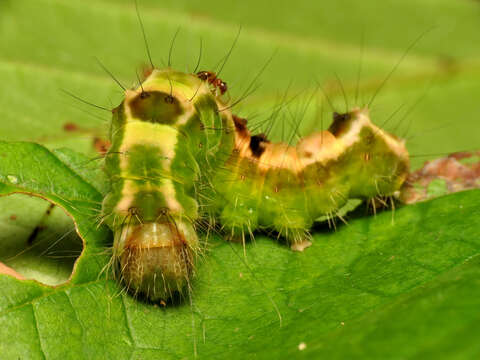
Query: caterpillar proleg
[179,156]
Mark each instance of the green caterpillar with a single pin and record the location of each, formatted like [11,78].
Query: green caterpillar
[179,156]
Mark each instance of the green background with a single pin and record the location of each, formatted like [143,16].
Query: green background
[371,289]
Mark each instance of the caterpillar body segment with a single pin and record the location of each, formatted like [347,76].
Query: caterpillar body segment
[161,149]
[285,188]
[179,156]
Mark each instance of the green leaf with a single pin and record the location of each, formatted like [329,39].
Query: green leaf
[371,289]
[32,169]
[410,278]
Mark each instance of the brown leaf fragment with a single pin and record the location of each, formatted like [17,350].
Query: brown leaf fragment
[455,172]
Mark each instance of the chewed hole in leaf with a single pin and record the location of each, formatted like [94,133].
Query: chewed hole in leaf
[37,240]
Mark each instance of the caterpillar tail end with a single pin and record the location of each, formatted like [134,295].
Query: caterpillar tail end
[156,260]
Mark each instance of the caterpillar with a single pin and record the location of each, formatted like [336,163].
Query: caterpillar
[180,158]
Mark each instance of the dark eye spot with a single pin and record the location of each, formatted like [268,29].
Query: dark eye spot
[156,107]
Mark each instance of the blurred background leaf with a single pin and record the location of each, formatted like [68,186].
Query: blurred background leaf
[407,308]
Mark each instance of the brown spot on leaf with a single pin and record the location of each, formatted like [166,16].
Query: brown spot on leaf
[101,146]
[70,127]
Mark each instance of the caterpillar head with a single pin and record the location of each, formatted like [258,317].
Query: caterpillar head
[156,259]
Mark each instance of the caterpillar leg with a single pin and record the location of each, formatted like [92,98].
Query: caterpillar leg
[293,227]
[239,220]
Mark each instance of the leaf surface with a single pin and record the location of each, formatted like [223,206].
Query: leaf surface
[370,289]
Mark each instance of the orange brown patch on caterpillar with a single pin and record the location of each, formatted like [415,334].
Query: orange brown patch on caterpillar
[317,148]
[279,155]
[240,124]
